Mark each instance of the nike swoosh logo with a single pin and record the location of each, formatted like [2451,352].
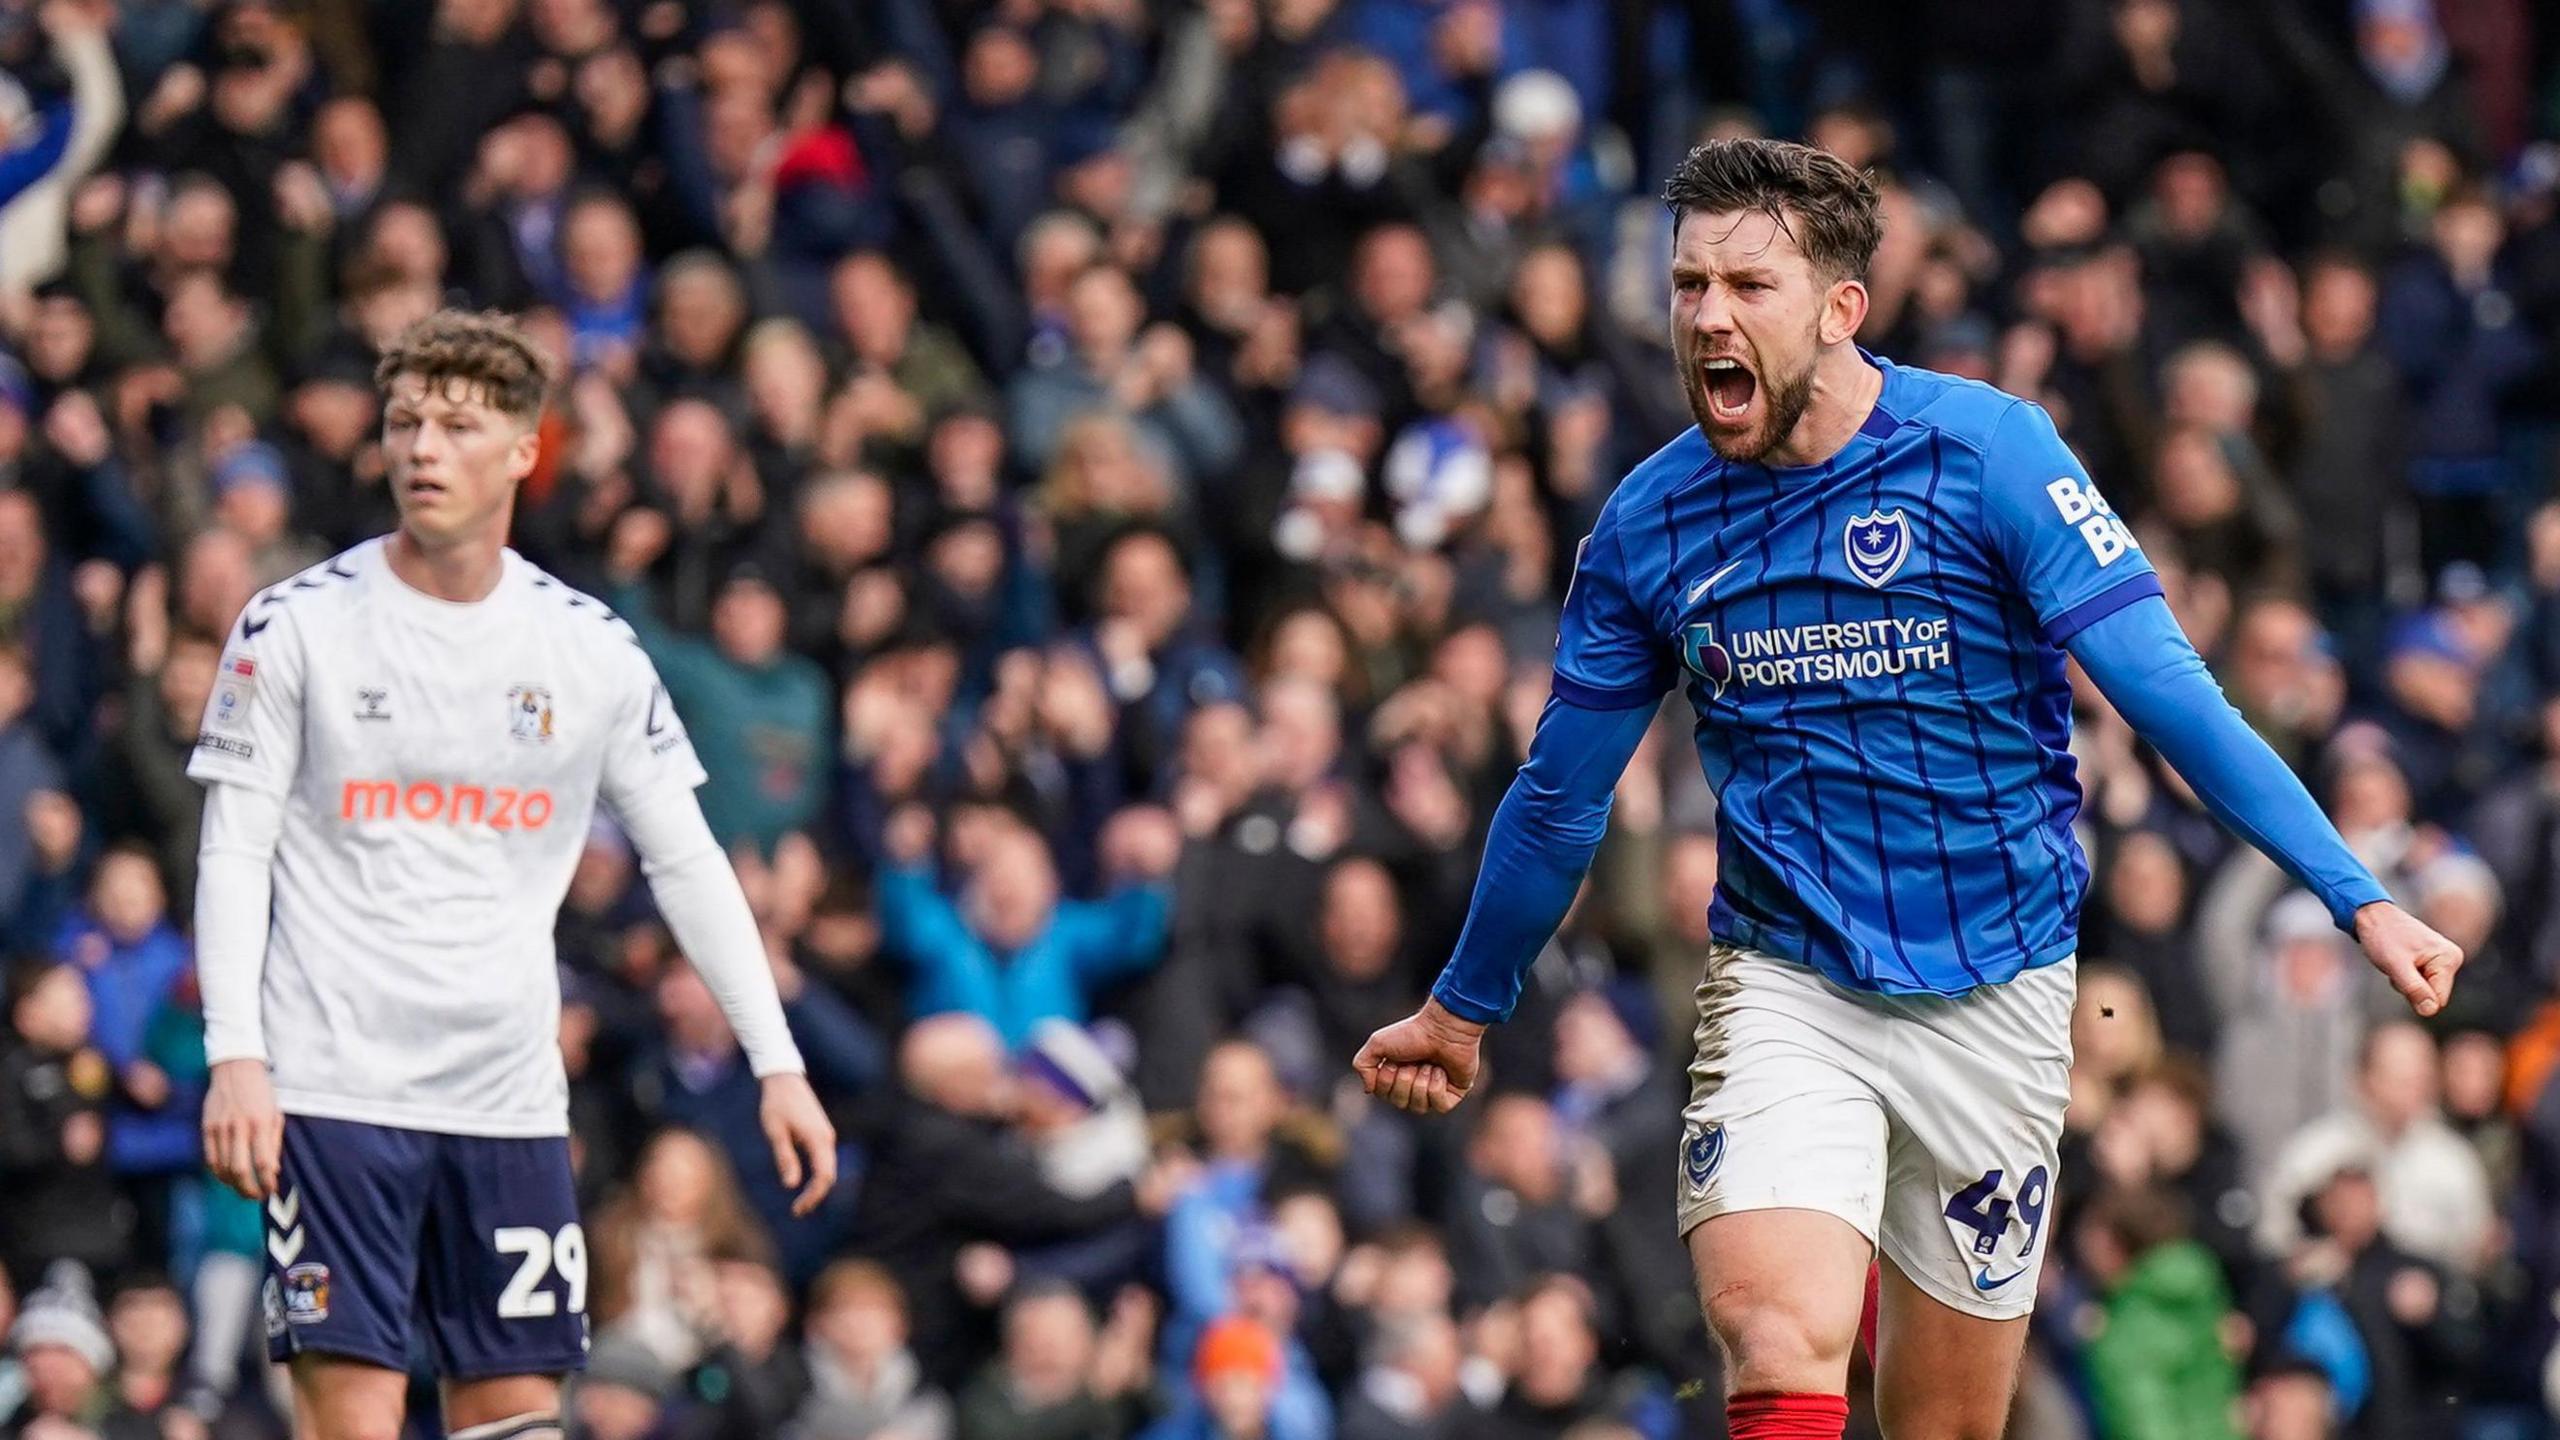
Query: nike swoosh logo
[1983,1281]
[1703,586]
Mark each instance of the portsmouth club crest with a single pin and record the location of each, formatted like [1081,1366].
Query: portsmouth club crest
[1877,543]
[529,714]
[1701,1155]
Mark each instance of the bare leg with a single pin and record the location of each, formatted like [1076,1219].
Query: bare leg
[1782,1291]
[1942,1374]
[336,1398]
[472,1403]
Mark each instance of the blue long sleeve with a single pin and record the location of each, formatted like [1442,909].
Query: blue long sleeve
[2143,664]
[1543,834]
[1116,936]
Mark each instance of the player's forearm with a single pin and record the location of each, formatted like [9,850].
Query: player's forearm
[1543,835]
[697,892]
[235,879]
[2144,665]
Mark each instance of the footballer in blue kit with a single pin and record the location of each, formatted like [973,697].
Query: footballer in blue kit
[1866,579]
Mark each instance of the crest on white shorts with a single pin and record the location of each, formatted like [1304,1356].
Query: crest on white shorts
[1701,1155]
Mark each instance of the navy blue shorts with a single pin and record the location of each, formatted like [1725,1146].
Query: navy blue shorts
[381,1237]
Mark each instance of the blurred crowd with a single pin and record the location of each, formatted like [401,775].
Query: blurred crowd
[1097,477]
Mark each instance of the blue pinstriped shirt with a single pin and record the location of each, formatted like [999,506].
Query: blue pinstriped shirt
[1872,647]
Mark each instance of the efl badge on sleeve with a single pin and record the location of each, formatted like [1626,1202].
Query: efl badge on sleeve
[1877,543]
[233,689]
[529,714]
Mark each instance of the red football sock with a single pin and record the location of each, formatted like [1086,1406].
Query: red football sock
[1786,1417]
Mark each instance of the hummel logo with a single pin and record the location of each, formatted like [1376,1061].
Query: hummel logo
[369,704]
[284,1242]
[1703,586]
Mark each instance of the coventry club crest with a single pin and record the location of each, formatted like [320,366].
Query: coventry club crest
[1705,658]
[1876,543]
[529,714]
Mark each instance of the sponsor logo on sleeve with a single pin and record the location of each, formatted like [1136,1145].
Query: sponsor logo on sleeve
[2085,510]
[231,745]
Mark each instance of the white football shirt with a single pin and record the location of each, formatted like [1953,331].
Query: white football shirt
[439,765]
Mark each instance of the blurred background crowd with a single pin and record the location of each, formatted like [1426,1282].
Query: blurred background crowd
[1097,477]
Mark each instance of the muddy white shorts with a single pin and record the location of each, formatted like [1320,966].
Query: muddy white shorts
[1930,1123]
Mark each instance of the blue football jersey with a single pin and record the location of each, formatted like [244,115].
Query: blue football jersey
[1873,648]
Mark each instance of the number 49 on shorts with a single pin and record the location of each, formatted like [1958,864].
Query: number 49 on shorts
[1980,1208]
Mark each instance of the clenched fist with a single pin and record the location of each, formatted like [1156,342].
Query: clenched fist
[1424,1063]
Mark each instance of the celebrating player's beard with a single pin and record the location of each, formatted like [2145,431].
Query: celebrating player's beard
[1745,437]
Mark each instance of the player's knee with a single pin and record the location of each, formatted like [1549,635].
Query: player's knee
[342,1400]
[1770,1344]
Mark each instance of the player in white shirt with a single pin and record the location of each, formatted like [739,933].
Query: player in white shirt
[403,750]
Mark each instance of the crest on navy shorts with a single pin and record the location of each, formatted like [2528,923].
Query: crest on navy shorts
[1876,543]
[1701,1155]
[1705,658]
[306,1294]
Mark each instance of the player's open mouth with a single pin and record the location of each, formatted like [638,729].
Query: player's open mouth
[425,489]
[1730,387]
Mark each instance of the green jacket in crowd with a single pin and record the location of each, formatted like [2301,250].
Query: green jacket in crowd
[2158,1370]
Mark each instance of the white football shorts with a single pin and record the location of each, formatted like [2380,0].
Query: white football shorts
[1931,1123]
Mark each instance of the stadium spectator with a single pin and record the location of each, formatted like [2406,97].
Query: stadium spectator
[863,1381]
[657,1248]
[947,1172]
[1238,1374]
[2297,1012]
[64,1345]
[147,1320]
[1058,1378]
[1559,1382]
[1011,951]
[54,1085]
[2157,1363]
[2434,1194]
[1409,1391]
[626,1395]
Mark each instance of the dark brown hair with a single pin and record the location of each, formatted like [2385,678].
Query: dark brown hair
[1828,205]
[485,352]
